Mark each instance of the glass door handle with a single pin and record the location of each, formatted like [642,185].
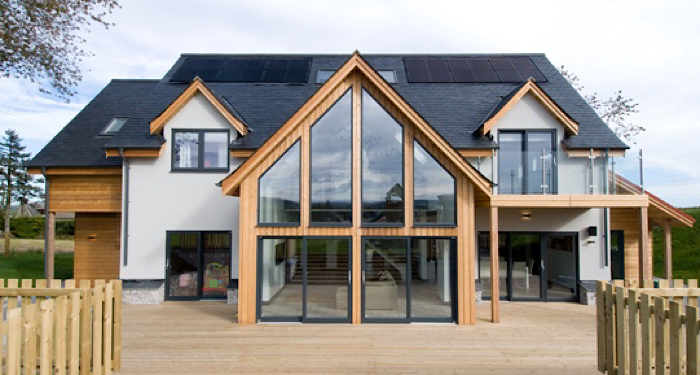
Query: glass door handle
[349,275]
[363,277]
[542,263]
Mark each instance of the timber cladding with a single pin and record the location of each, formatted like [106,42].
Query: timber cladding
[85,193]
[627,220]
[97,239]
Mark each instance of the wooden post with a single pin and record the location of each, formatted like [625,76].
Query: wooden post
[620,327]
[117,325]
[495,278]
[644,266]
[659,336]
[691,313]
[675,338]
[97,299]
[600,317]
[60,306]
[47,337]
[646,319]
[107,328]
[14,335]
[668,248]
[50,246]
[633,331]
[74,327]
[85,328]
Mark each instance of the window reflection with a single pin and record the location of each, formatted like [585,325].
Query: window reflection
[382,165]
[331,164]
[433,189]
[279,190]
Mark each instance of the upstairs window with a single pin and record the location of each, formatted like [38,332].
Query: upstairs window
[526,162]
[433,190]
[114,125]
[382,166]
[331,165]
[200,150]
[279,194]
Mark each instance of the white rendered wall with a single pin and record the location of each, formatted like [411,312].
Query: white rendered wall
[161,200]
[591,259]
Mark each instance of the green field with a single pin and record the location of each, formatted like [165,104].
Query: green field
[30,265]
[686,250]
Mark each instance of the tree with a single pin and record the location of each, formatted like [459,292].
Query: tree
[42,41]
[17,183]
[615,111]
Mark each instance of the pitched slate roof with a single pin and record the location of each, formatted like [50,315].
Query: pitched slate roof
[455,110]
[79,143]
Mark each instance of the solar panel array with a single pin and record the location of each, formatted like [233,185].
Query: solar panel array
[253,70]
[471,70]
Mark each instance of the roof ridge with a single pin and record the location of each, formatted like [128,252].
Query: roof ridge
[391,54]
[154,80]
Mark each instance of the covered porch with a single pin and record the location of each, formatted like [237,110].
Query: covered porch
[205,339]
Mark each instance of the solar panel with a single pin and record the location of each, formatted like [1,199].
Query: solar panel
[221,69]
[418,76]
[534,73]
[509,75]
[483,71]
[461,71]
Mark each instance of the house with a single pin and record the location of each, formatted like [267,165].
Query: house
[351,188]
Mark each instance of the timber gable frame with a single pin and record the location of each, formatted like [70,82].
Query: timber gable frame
[232,182]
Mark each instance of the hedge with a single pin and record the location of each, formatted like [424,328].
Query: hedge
[33,227]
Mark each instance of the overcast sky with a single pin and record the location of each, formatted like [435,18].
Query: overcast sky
[651,52]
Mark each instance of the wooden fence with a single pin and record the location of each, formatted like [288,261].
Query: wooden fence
[60,329]
[648,329]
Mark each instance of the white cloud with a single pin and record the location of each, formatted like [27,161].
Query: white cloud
[647,49]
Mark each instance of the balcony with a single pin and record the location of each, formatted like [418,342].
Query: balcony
[543,178]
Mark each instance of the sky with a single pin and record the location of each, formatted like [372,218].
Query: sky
[649,50]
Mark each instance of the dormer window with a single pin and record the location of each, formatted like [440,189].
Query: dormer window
[388,75]
[114,125]
[200,150]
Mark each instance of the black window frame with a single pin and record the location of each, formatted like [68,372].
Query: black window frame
[301,155]
[523,160]
[200,152]
[311,158]
[362,223]
[455,223]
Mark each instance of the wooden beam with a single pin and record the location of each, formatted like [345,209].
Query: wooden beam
[495,278]
[357,200]
[568,201]
[476,152]
[598,153]
[241,153]
[77,171]
[644,267]
[51,246]
[668,249]
[196,87]
[135,152]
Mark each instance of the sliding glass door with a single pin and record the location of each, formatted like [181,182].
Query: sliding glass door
[532,266]
[198,265]
[408,280]
[304,279]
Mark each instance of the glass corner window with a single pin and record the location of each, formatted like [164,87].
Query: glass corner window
[200,150]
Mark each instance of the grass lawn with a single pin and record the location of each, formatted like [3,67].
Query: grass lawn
[686,250]
[30,265]
[21,244]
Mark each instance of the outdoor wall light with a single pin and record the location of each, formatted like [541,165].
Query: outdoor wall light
[527,216]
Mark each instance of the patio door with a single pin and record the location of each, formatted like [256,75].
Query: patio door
[304,279]
[197,265]
[408,280]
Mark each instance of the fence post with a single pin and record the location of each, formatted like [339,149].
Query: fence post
[29,337]
[60,308]
[2,325]
[14,336]
[634,332]
[693,301]
[600,315]
[675,337]
[107,333]
[610,328]
[660,338]
[74,361]
[645,303]
[97,298]
[85,327]
[46,337]
[691,326]
[621,325]
[117,325]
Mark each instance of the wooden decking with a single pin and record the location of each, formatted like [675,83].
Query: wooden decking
[532,338]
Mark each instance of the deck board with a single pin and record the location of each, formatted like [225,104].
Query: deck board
[533,338]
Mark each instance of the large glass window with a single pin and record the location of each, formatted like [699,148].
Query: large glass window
[200,150]
[433,190]
[281,278]
[382,165]
[526,162]
[331,164]
[279,190]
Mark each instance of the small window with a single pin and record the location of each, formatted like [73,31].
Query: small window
[388,75]
[200,150]
[322,75]
[114,125]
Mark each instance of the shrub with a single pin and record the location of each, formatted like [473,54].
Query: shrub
[33,227]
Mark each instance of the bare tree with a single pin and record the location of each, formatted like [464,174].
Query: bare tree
[615,111]
[42,40]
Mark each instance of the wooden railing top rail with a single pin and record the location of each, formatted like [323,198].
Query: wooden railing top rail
[670,292]
[37,292]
